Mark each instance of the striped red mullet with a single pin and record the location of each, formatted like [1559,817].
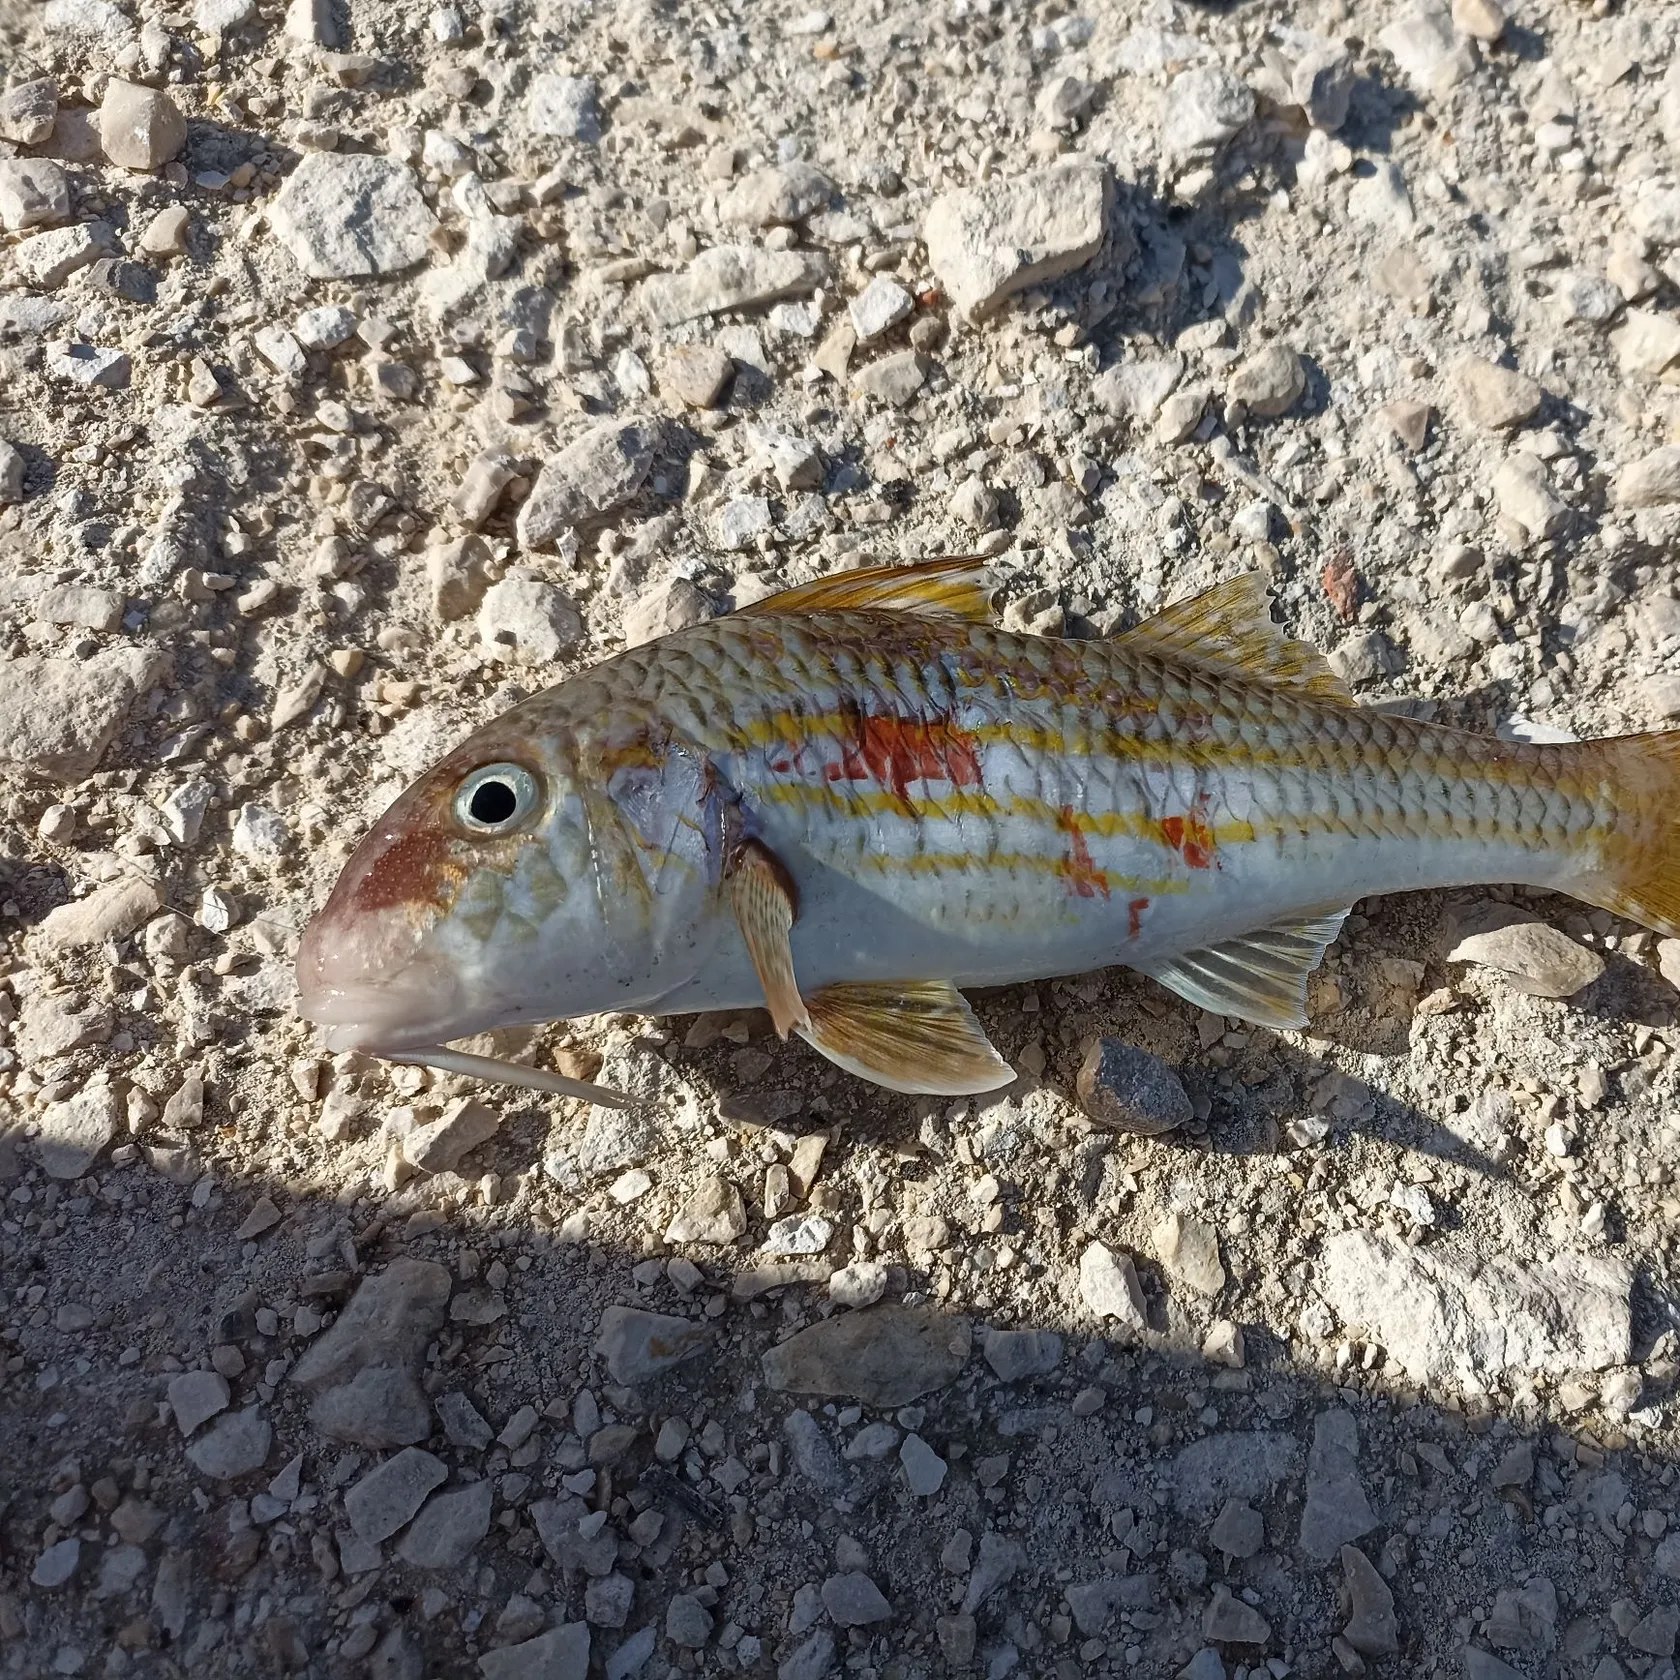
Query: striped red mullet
[848,801]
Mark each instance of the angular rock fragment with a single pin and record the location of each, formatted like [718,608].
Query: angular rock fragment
[882,1356]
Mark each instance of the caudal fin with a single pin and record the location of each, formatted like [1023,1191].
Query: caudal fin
[1639,872]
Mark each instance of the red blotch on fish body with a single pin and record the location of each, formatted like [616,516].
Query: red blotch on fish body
[1191,837]
[1078,868]
[895,751]
[1134,917]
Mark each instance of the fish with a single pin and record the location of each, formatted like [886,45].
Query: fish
[847,802]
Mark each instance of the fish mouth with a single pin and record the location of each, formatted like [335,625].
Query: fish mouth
[364,981]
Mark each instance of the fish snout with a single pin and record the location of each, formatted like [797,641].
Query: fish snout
[369,980]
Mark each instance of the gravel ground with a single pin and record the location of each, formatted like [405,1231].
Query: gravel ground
[364,368]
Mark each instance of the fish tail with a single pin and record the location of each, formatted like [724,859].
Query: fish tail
[1638,865]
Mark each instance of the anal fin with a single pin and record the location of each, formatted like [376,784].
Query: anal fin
[1261,977]
[910,1035]
[764,901]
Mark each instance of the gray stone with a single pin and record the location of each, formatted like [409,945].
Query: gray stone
[1109,1287]
[57,1563]
[1515,1468]
[1129,1090]
[140,128]
[557,1527]
[34,192]
[527,619]
[713,1214]
[235,1445]
[1017,1354]
[13,468]
[1232,1622]
[594,475]
[560,1654]
[1239,1531]
[893,380]
[696,374]
[1270,382]
[853,1600]
[92,366]
[1336,1509]
[990,241]
[463,1423]
[1372,1629]
[77,1131]
[607,1601]
[364,1372]
[956,1636]
[882,1356]
[195,1397]
[688,1622]
[347,214]
[732,277]
[1579,294]
[1445,1313]
[813,1457]
[998,1562]
[1205,1665]
[631,1657]
[1205,107]
[638,1346]
[449,1527]
[782,194]
[1094,1603]
[1484,1665]
[564,107]
[1654,1633]
[1533,956]
[1651,481]
[389,1494]
[1233,1464]
[1189,1250]
[813,1660]
[924,1469]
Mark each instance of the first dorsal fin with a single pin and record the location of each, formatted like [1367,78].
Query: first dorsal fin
[955,587]
[1229,628]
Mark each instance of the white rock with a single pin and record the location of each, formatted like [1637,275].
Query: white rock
[524,618]
[34,192]
[281,350]
[439,1145]
[732,277]
[1523,489]
[140,128]
[564,107]
[864,1282]
[349,214]
[1651,481]
[879,307]
[324,328]
[1646,342]
[1205,107]
[388,1496]
[1380,199]
[594,475]
[988,242]
[799,1233]
[235,1445]
[222,17]
[28,111]
[259,832]
[75,1132]
[1427,49]
[49,259]
[783,194]
[108,912]
[894,379]
[57,716]
[743,520]
[1108,1284]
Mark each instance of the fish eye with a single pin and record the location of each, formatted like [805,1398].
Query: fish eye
[496,798]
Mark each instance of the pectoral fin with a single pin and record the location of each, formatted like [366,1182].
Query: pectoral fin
[765,905]
[911,1035]
[1261,977]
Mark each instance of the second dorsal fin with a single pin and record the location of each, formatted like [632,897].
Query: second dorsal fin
[1229,628]
[955,587]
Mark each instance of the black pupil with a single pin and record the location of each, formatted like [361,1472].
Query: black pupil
[493,803]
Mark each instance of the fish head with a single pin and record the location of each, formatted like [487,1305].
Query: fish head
[471,904]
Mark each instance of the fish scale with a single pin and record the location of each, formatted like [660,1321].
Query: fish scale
[850,800]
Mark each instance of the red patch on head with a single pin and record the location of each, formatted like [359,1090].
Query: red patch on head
[895,752]
[406,870]
[1078,868]
[1191,837]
